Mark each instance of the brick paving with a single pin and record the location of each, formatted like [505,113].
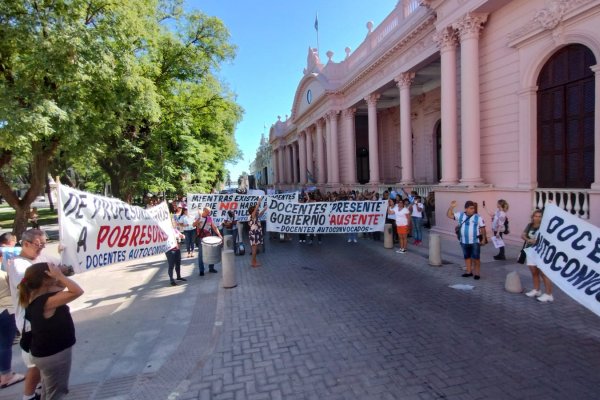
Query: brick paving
[333,321]
[356,321]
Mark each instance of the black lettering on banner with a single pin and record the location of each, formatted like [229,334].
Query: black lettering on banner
[567,232]
[555,223]
[576,246]
[74,204]
[553,266]
[581,275]
[81,242]
[595,254]
[550,252]
[588,280]
[565,270]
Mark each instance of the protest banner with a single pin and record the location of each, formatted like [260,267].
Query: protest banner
[221,203]
[97,231]
[568,252]
[335,217]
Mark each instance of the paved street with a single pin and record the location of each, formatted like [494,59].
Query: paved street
[330,321]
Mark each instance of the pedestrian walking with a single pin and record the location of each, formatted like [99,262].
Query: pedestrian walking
[256,233]
[174,260]
[499,224]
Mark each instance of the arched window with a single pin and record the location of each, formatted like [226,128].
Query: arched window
[565,150]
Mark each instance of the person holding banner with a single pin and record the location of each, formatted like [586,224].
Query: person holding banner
[256,231]
[187,224]
[529,235]
[45,292]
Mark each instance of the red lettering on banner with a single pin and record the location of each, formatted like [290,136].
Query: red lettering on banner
[123,236]
[354,219]
[233,205]
[102,233]
[134,236]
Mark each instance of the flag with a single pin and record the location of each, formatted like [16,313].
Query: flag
[317,22]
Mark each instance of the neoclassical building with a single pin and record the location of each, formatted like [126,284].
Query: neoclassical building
[472,99]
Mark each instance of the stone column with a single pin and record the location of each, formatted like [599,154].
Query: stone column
[334,152]
[528,138]
[596,183]
[275,167]
[446,40]
[309,155]
[280,158]
[320,153]
[302,151]
[328,146]
[373,139]
[470,120]
[348,118]
[406,148]
[294,163]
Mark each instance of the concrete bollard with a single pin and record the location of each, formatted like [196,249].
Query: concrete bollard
[228,243]
[435,250]
[228,269]
[240,228]
[388,237]
[513,283]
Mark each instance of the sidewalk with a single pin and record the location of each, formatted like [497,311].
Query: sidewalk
[336,321]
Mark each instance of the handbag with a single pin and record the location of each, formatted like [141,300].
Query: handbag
[457,228]
[25,341]
[506,230]
[522,255]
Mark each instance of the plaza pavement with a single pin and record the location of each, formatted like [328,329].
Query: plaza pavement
[330,321]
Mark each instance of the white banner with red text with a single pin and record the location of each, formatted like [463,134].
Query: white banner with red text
[335,217]
[97,231]
[568,252]
[220,204]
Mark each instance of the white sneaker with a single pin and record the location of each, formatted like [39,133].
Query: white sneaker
[400,251]
[349,240]
[355,241]
[533,293]
[546,298]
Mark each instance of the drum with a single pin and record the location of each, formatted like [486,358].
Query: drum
[211,250]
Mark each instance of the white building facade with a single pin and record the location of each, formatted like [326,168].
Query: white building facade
[473,99]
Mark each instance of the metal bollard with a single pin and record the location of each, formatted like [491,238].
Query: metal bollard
[388,237]
[435,250]
[228,269]
[240,228]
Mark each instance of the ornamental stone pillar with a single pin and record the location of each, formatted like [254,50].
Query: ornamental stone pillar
[302,161]
[373,139]
[275,167]
[406,149]
[596,183]
[470,119]
[349,132]
[280,158]
[320,153]
[294,163]
[333,148]
[310,171]
[447,40]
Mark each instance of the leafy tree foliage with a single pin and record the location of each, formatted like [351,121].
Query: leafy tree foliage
[121,91]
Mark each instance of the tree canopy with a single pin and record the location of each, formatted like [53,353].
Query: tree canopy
[124,93]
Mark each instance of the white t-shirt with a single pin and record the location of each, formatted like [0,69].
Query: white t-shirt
[402,215]
[417,210]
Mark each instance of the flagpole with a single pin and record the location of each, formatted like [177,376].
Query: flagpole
[317,29]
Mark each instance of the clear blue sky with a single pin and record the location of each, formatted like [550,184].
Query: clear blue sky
[273,37]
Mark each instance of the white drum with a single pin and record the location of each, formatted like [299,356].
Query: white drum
[211,250]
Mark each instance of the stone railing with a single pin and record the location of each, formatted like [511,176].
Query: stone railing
[574,201]
[410,6]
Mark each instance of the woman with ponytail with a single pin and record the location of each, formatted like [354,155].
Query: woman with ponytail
[45,292]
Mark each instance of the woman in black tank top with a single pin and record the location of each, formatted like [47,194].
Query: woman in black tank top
[45,292]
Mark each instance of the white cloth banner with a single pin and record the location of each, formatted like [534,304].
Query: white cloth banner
[221,203]
[335,217]
[568,252]
[97,231]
